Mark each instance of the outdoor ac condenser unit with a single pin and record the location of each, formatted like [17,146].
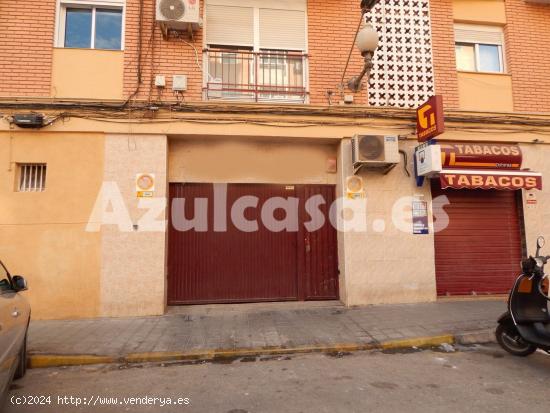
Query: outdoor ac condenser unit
[179,14]
[375,152]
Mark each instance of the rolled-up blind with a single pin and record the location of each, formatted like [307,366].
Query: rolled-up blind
[473,34]
[282,29]
[229,25]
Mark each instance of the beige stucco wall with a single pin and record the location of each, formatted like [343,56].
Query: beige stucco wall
[479,11]
[231,160]
[537,217]
[485,92]
[389,265]
[133,262]
[87,74]
[42,234]
[75,272]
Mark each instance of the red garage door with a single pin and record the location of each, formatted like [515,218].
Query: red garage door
[480,251]
[215,266]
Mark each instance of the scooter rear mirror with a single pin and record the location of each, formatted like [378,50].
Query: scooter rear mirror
[540,243]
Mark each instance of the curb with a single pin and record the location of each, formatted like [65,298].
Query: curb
[477,337]
[37,361]
[59,360]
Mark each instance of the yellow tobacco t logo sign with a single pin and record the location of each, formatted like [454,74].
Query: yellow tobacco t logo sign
[430,120]
[423,117]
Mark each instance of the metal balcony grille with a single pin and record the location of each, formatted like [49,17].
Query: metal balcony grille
[265,76]
[32,177]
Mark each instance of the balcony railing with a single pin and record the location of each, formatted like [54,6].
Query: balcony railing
[266,76]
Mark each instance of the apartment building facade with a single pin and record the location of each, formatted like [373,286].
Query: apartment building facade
[245,115]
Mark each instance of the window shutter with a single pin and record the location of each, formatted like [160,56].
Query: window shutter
[478,34]
[229,25]
[282,29]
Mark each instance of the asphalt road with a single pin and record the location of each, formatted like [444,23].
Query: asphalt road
[479,379]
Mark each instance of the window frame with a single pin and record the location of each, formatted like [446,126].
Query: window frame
[502,69]
[477,35]
[255,47]
[93,5]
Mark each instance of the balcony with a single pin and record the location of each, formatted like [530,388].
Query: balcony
[247,76]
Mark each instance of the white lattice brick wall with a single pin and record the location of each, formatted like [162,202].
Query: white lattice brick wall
[403,64]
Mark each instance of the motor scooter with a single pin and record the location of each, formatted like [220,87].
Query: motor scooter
[525,327]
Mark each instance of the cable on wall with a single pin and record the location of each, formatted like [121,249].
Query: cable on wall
[405,162]
[140,44]
[197,62]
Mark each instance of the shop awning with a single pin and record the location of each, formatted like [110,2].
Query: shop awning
[490,179]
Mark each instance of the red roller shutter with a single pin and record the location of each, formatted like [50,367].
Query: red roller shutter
[480,251]
[236,266]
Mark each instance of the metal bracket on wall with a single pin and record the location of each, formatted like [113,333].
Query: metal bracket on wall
[174,34]
[164,31]
[385,169]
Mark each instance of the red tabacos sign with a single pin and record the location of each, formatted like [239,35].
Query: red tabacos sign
[490,180]
[430,119]
[481,156]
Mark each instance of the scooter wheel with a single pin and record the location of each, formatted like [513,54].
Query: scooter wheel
[510,340]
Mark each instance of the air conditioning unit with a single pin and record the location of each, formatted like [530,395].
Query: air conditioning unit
[179,14]
[375,152]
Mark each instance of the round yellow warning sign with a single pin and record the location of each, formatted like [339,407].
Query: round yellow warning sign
[145,185]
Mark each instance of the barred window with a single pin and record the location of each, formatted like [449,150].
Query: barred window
[31,177]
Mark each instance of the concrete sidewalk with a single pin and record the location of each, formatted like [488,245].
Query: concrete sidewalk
[203,331]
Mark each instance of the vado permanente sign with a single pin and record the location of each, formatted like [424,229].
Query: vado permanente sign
[430,119]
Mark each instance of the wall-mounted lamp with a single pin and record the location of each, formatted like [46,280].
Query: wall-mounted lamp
[366,5]
[367,43]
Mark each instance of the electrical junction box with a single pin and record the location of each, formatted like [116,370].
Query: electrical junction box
[160,81]
[179,83]
[28,120]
